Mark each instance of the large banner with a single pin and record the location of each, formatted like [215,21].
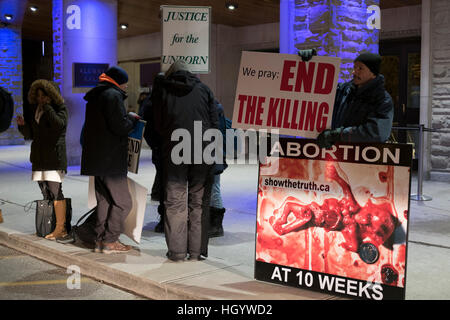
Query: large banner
[335,220]
[280,91]
[186,36]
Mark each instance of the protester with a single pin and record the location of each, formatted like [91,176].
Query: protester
[104,156]
[47,129]
[363,109]
[6,109]
[183,101]
[154,141]
[216,209]
[140,102]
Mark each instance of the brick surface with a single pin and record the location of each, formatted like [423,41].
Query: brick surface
[440,33]
[11,78]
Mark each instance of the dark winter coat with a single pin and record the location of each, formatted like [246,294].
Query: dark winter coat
[178,102]
[366,112]
[105,135]
[48,149]
[6,109]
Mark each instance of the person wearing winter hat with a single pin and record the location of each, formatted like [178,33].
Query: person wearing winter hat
[180,101]
[363,109]
[104,156]
[47,129]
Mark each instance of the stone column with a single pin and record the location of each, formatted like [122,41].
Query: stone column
[336,28]
[84,31]
[440,91]
[11,63]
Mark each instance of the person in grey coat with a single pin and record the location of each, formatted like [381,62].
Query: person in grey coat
[363,109]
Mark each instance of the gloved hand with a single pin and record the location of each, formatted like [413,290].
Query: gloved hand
[307,54]
[328,137]
[133,117]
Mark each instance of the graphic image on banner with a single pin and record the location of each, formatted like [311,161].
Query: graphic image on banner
[186,35]
[335,220]
[280,91]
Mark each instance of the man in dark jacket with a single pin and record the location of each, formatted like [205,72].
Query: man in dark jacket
[104,155]
[363,109]
[154,141]
[6,109]
[183,102]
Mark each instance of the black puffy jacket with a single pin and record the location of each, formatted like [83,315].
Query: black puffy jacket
[48,149]
[6,109]
[365,112]
[105,135]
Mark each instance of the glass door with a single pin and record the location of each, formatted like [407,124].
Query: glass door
[401,69]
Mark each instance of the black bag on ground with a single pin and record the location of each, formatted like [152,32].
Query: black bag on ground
[45,219]
[84,231]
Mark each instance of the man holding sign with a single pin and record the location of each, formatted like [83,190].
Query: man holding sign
[104,155]
[363,110]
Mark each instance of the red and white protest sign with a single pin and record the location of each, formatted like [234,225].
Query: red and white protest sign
[335,220]
[280,91]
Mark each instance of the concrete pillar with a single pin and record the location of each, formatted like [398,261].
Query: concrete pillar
[440,89]
[85,31]
[336,28]
[11,63]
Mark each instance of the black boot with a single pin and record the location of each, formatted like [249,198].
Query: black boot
[215,222]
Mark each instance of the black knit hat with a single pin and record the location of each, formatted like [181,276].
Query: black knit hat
[118,74]
[371,60]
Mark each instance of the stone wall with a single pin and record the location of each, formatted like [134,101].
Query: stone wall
[440,111]
[336,28]
[11,77]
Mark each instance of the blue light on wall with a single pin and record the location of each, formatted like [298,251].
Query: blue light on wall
[84,31]
[11,60]
[334,29]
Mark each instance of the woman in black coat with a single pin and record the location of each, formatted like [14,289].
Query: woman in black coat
[48,157]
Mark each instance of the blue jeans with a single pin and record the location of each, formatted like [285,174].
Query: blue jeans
[216,197]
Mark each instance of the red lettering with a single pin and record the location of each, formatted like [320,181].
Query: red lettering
[286,114]
[305,77]
[320,87]
[321,119]
[250,110]
[311,116]
[280,113]
[287,75]
[259,110]
[302,116]
[294,124]
[272,114]
[242,99]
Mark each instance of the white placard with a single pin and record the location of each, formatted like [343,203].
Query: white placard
[280,91]
[135,220]
[186,35]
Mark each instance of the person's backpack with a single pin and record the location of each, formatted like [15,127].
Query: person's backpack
[6,109]
[84,231]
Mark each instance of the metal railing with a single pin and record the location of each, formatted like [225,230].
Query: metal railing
[419,196]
